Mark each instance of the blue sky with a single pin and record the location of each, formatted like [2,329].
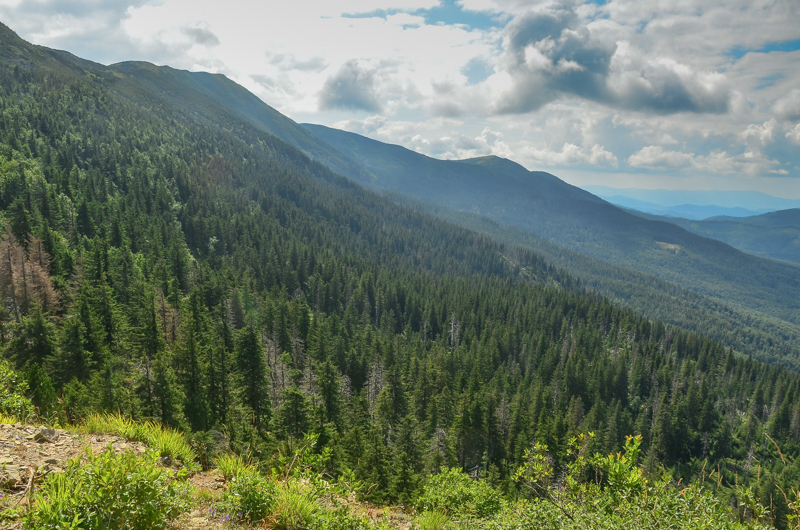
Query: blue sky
[675,94]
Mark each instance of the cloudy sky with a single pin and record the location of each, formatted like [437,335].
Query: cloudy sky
[676,94]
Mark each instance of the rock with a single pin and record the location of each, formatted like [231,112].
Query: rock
[9,477]
[45,434]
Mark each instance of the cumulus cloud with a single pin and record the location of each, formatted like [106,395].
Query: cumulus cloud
[655,156]
[353,87]
[551,54]
[750,162]
[794,134]
[572,154]
[461,146]
[760,134]
[788,107]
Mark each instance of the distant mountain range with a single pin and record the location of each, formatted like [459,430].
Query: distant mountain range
[686,211]
[693,204]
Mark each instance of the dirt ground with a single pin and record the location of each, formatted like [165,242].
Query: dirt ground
[29,453]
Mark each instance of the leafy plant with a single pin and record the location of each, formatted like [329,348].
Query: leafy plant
[453,493]
[13,403]
[232,465]
[109,490]
[295,507]
[249,497]
[432,520]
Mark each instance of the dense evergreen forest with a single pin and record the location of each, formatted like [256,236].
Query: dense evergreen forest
[218,281]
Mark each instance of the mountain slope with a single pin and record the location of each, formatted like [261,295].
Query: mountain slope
[542,204]
[773,235]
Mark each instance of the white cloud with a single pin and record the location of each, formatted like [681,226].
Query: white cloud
[655,156]
[571,154]
[763,134]
[788,108]
[794,134]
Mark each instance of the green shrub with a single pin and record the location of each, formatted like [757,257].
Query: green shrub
[433,520]
[340,519]
[457,495]
[13,403]
[249,497]
[109,491]
[295,508]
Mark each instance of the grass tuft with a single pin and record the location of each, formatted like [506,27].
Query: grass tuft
[231,465]
[169,443]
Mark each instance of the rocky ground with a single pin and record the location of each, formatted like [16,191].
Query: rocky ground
[28,454]
[26,450]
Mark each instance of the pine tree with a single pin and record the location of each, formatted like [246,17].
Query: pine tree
[253,370]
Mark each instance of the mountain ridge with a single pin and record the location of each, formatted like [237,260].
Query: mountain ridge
[579,221]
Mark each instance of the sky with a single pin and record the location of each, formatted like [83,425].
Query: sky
[670,94]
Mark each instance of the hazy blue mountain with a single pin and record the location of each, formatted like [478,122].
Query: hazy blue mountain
[750,200]
[686,211]
[539,202]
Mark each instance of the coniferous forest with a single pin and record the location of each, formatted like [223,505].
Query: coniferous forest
[217,281]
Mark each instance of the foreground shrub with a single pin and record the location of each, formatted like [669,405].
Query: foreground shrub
[615,495]
[109,491]
[14,406]
[249,497]
[295,507]
[455,494]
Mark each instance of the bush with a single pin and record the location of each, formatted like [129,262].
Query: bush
[435,520]
[295,508]
[109,491]
[13,403]
[249,497]
[340,519]
[455,494]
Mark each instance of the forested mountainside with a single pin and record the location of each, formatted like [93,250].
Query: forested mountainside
[540,203]
[221,282]
[767,339]
[773,235]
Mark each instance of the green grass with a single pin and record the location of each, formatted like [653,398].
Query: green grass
[231,465]
[170,444]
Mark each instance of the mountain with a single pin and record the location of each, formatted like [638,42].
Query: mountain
[750,200]
[687,211]
[773,235]
[540,203]
[179,264]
